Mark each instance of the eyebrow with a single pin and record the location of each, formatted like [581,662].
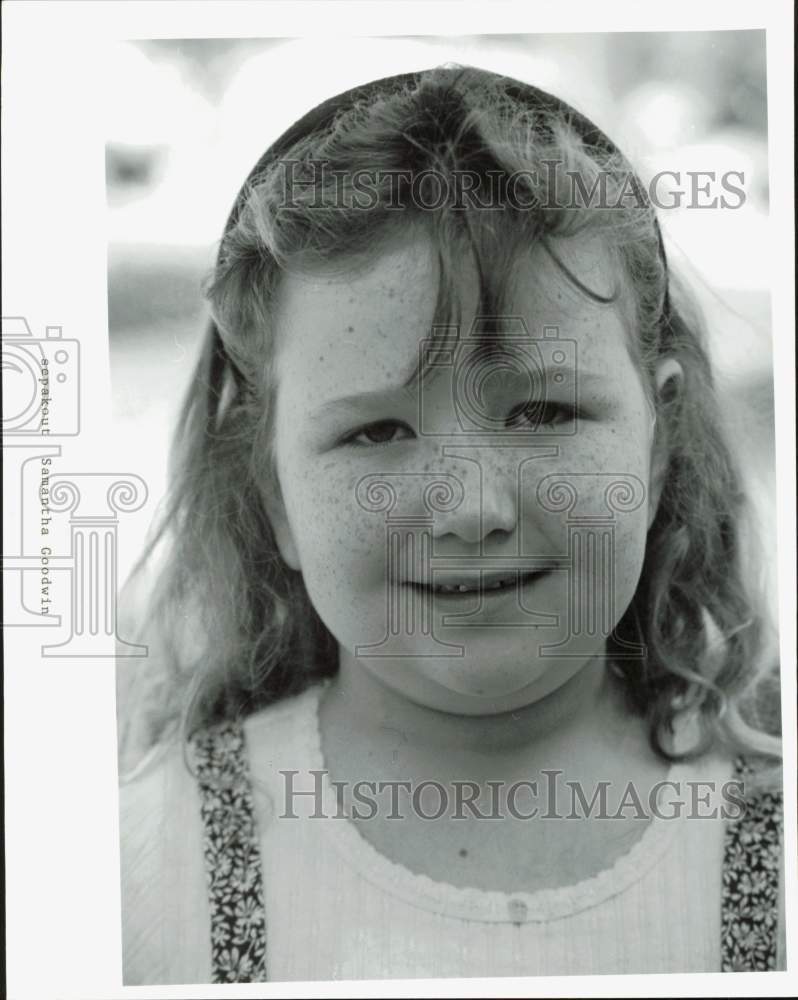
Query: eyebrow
[404,393]
[347,404]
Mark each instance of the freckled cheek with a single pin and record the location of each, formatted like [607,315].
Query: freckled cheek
[592,464]
[631,531]
[329,525]
[619,446]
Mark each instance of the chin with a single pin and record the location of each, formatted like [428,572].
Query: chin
[488,693]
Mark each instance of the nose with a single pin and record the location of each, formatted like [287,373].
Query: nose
[489,506]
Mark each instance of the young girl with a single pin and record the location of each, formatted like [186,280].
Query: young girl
[455,597]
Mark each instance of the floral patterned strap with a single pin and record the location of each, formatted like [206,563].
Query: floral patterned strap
[232,856]
[750,892]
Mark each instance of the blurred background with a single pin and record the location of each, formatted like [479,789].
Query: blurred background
[187,120]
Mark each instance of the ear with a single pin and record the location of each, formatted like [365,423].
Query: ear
[667,385]
[278,518]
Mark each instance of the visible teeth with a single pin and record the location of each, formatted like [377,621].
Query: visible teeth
[462,588]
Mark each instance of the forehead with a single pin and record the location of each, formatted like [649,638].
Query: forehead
[343,332]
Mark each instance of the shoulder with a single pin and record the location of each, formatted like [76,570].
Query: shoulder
[164,909]
[284,733]
[158,786]
[281,739]
[166,912]
[753,871]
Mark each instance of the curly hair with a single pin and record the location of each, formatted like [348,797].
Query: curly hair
[239,628]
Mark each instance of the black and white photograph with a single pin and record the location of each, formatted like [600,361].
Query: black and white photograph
[408,551]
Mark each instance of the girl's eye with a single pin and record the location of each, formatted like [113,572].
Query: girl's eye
[381,432]
[540,413]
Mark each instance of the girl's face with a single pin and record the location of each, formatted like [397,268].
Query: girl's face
[489,591]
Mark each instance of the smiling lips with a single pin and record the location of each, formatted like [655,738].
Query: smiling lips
[474,584]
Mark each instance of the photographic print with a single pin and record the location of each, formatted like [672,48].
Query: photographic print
[430,621]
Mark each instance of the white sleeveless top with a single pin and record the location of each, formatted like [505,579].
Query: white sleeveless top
[337,909]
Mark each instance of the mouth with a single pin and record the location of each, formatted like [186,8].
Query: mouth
[490,583]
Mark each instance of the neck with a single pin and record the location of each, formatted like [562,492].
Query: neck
[381,725]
